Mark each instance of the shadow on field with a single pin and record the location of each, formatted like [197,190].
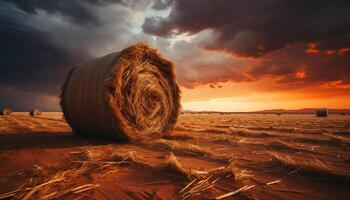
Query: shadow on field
[48,140]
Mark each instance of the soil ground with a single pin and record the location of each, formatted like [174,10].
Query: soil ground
[207,156]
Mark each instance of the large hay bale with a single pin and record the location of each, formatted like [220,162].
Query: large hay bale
[126,95]
[35,112]
[6,111]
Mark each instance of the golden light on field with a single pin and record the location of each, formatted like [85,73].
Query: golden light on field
[216,151]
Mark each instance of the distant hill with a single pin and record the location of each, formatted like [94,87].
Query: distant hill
[304,110]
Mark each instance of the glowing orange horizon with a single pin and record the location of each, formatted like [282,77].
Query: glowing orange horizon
[264,94]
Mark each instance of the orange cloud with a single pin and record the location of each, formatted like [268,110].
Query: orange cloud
[312,49]
[330,52]
[343,51]
[300,74]
[336,84]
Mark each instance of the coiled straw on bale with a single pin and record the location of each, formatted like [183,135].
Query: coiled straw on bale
[6,111]
[35,112]
[127,95]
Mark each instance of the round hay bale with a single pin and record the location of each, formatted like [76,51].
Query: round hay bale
[6,111]
[322,112]
[128,95]
[35,112]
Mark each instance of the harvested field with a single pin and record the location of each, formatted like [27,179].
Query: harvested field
[238,156]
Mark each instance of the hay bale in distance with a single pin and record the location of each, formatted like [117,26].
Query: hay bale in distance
[6,111]
[128,95]
[322,112]
[35,112]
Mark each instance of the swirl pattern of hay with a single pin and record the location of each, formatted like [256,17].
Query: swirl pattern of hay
[128,95]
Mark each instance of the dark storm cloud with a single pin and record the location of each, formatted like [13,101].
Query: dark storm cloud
[28,55]
[286,63]
[254,28]
[76,10]
[272,36]
[41,40]
[195,66]
[29,62]
[161,4]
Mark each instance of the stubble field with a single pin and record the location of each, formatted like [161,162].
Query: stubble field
[238,156]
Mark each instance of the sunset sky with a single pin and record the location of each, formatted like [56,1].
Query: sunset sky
[230,55]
